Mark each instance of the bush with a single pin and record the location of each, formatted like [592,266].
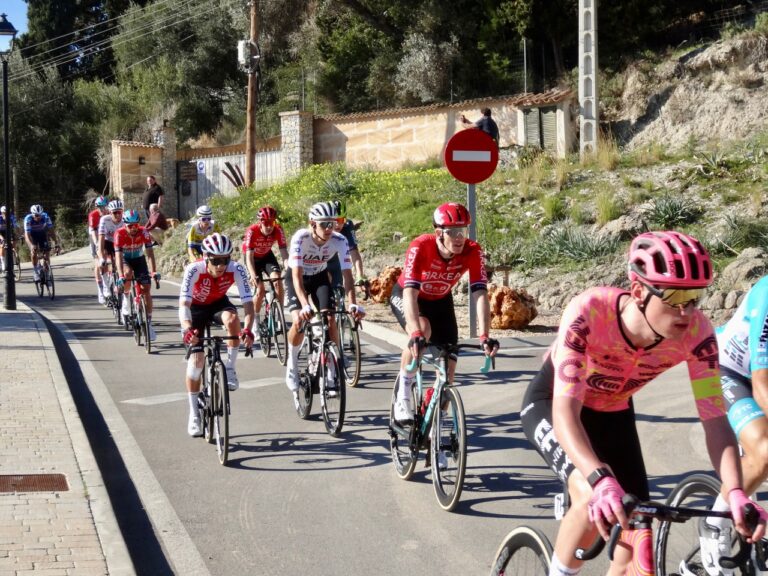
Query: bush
[669,212]
[577,244]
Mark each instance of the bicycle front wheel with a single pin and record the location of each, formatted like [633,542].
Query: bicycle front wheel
[401,436]
[136,320]
[448,448]
[677,544]
[333,393]
[144,321]
[220,409]
[350,350]
[279,332]
[525,550]
[50,284]
[265,342]
[16,266]
[40,283]
[304,407]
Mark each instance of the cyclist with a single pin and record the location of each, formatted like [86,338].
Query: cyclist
[204,226]
[744,375]
[204,299]
[38,230]
[578,411]
[306,277]
[132,243]
[11,240]
[94,218]
[108,225]
[346,228]
[421,299]
[259,258]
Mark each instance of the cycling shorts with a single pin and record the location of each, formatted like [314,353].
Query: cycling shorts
[109,248]
[741,404]
[266,264]
[613,436]
[204,314]
[139,268]
[41,241]
[334,269]
[439,313]
[317,287]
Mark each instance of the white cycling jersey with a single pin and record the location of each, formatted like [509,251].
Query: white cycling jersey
[108,227]
[304,253]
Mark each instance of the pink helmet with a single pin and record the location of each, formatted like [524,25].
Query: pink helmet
[669,260]
[267,213]
[451,215]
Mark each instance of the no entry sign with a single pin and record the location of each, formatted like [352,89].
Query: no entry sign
[471,156]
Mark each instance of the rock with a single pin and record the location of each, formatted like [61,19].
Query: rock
[624,227]
[381,286]
[740,274]
[510,308]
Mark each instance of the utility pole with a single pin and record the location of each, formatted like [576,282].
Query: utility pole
[588,87]
[253,95]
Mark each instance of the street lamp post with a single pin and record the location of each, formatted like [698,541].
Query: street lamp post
[7,35]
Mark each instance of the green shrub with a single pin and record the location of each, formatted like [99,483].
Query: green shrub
[741,233]
[669,212]
[608,206]
[761,23]
[577,244]
[554,208]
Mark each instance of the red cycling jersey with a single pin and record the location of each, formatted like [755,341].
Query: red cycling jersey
[94,217]
[132,245]
[260,244]
[200,288]
[433,275]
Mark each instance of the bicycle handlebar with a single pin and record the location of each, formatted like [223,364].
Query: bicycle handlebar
[209,339]
[485,368]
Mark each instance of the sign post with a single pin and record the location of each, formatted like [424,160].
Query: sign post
[471,156]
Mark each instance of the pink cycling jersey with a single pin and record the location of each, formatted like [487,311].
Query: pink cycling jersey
[260,244]
[595,363]
[433,275]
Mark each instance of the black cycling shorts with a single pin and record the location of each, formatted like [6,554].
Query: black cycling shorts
[139,268]
[317,287]
[266,264]
[109,248]
[204,314]
[439,313]
[613,436]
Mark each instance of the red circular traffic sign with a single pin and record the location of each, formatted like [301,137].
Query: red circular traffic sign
[471,156]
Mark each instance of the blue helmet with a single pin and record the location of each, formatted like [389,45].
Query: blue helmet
[101,201]
[131,217]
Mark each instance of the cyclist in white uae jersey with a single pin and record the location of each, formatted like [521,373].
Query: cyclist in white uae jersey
[307,277]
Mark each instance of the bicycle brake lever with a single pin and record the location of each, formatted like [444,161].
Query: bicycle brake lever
[249,352]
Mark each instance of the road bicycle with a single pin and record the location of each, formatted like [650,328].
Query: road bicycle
[272,329]
[138,321]
[15,263]
[349,340]
[526,550]
[439,426]
[114,300]
[320,372]
[45,282]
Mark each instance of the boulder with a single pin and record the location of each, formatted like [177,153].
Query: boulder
[511,308]
[748,267]
[381,286]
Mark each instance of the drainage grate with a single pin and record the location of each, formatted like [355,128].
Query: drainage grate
[33,483]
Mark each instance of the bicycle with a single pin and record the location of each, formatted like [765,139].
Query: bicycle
[349,340]
[272,328]
[319,365]
[526,550]
[45,282]
[439,426]
[138,321]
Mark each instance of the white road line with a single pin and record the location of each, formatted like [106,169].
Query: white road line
[471,156]
[179,396]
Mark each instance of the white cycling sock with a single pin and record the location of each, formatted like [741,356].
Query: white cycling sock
[193,403]
[232,357]
[557,568]
[293,355]
[404,391]
[720,506]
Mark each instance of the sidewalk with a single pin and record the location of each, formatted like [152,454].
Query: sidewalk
[55,516]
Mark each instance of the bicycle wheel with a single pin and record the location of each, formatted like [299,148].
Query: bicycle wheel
[279,332]
[207,412]
[16,266]
[265,342]
[305,381]
[525,550]
[50,284]
[350,350]
[144,324]
[448,449]
[401,445]
[332,390]
[135,320]
[220,410]
[40,282]
[677,544]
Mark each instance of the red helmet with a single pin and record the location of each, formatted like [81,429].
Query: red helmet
[451,215]
[267,213]
[670,260]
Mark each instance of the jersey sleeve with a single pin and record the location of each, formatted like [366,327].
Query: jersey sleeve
[241,279]
[191,273]
[248,239]
[478,277]
[704,370]
[294,255]
[119,240]
[191,240]
[412,269]
[28,223]
[343,251]
[147,238]
[757,308]
[349,234]
[569,355]
[102,226]
[280,233]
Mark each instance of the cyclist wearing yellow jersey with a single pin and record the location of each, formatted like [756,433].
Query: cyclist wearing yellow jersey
[204,226]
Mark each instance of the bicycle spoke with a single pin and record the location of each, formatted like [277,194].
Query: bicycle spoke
[448,449]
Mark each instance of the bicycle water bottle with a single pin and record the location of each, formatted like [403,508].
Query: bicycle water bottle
[427,399]
[269,297]
[317,330]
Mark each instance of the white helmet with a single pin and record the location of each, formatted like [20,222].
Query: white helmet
[323,211]
[217,245]
[36,209]
[115,206]
[204,211]
[2,209]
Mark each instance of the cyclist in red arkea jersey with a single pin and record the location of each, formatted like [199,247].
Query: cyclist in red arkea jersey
[422,301]
[578,411]
[203,299]
[259,258]
[94,217]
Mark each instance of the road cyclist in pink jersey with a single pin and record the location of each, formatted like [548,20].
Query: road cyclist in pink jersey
[94,218]
[578,411]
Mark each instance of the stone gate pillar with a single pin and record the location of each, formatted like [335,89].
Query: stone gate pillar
[165,137]
[297,140]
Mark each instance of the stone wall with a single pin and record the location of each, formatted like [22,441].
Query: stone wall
[297,140]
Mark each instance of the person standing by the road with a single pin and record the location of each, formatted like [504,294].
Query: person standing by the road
[578,411]
[153,194]
[485,123]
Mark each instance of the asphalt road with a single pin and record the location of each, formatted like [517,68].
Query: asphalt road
[293,499]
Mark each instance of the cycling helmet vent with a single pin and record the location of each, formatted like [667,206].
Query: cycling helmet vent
[217,245]
[101,201]
[323,211]
[132,217]
[115,206]
[267,213]
[36,209]
[204,211]
[669,259]
[451,215]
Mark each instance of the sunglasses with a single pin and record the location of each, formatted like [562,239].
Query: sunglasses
[678,297]
[341,221]
[117,212]
[219,261]
[455,233]
[326,225]
[205,219]
[268,223]
[131,226]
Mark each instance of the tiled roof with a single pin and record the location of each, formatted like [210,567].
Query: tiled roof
[526,100]
[134,144]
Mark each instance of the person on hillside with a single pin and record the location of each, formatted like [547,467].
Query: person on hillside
[157,224]
[485,123]
[6,237]
[94,218]
[578,412]
[153,194]
[346,228]
[204,226]
[422,301]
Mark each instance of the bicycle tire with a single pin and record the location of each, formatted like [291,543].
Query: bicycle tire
[350,350]
[50,283]
[135,319]
[265,342]
[304,409]
[145,325]
[16,266]
[677,543]
[40,283]
[280,334]
[332,380]
[404,455]
[525,550]
[220,409]
[449,436]
[208,392]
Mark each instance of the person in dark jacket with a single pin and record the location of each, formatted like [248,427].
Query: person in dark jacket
[486,124]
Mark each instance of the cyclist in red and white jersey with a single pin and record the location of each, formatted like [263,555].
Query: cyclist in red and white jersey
[422,301]
[94,218]
[108,225]
[203,299]
[578,412]
[257,253]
